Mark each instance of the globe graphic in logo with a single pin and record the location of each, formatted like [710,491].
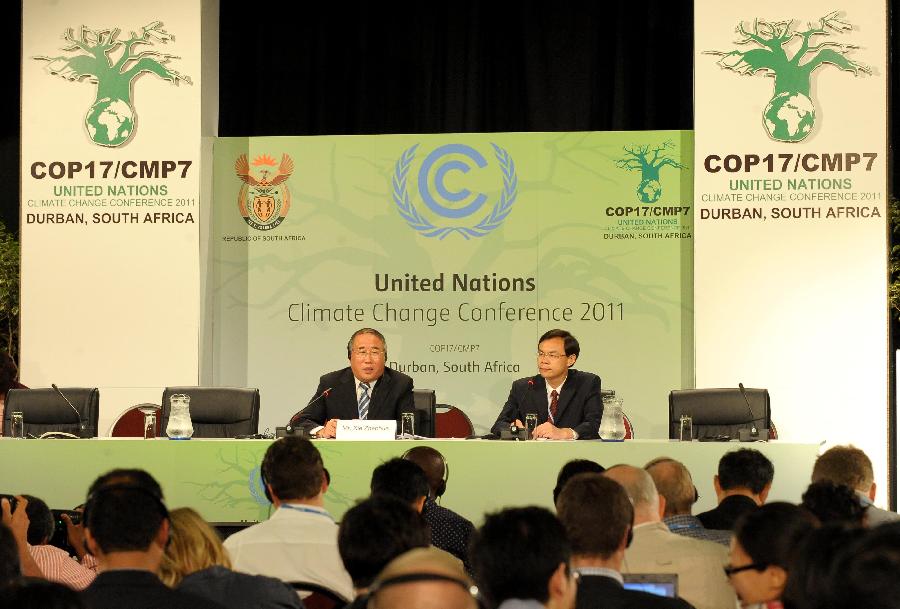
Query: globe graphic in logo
[649,190]
[789,117]
[110,122]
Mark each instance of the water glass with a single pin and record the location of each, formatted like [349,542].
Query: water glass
[17,425]
[530,424]
[686,426]
[407,424]
[149,421]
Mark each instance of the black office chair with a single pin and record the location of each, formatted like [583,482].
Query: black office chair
[43,410]
[425,404]
[719,412]
[216,412]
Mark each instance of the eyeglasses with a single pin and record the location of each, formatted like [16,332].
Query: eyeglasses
[362,352]
[553,356]
[756,566]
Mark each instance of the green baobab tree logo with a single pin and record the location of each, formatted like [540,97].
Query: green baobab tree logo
[649,160]
[99,57]
[790,114]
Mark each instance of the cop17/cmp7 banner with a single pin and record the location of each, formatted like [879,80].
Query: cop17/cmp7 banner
[462,249]
[790,178]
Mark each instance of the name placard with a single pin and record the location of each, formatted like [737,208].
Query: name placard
[356,429]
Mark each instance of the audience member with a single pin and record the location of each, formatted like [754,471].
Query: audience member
[373,533]
[597,516]
[55,564]
[196,562]
[573,468]
[299,542]
[401,479]
[655,549]
[809,583]
[127,528]
[423,578]
[449,531]
[674,483]
[851,467]
[742,484]
[522,560]
[40,594]
[865,572]
[763,549]
[830,502]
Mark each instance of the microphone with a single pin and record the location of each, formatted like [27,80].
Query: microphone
[290,426]
[82,426]
[753,431]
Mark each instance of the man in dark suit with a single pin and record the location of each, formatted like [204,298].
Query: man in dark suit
[566,401]
[365,390]
[742,485]
[597,515]
[126,528]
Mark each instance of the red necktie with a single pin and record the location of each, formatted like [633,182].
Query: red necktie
[554,405]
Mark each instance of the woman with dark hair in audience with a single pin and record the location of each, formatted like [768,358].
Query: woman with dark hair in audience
[196,562]
[830,502]
[866,573]
[809,584]
[761,551]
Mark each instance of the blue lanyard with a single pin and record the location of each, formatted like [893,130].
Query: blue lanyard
[678,527]
[300,508]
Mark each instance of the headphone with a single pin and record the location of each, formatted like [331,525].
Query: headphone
[442,485]
[418,577]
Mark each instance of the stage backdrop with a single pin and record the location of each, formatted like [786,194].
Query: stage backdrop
[113,96]
[462,249]
[790,248]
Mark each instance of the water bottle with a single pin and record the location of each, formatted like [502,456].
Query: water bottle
[612,425]
[180,426]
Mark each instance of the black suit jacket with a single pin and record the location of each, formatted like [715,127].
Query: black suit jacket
[391,396]
[599,592]
[724,515]
[580,406]
[139,590]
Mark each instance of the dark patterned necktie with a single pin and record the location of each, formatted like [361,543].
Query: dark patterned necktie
[554,405]
[364,401]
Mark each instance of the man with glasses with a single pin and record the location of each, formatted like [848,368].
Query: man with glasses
[566,402]
[364,390]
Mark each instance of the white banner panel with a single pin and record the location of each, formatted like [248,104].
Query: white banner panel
[111,180]
[790,214]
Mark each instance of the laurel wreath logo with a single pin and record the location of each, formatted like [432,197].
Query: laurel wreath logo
[487,224]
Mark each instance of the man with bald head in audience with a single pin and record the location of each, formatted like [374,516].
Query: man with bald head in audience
[423,578]
[675,485]
[655,549]
[449,531]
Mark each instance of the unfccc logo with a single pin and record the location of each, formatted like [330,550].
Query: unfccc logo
[448,207]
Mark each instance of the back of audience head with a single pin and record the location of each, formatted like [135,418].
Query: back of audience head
[674,483]
[40,594]
[830,502]
[765,540]
[648,505]
[865,572]
[292,469]
[573,468]
[846,465]
[9,558]
[809,584]
[523,553]
[193,546]
[402,479]
[40,521]
[125,512]
[433,464]
[374,532]
[423,578]
[745,470]
[597,516]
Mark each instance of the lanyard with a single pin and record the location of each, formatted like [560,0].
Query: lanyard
[300,508]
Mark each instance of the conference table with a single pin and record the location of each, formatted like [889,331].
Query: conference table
[220,478]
